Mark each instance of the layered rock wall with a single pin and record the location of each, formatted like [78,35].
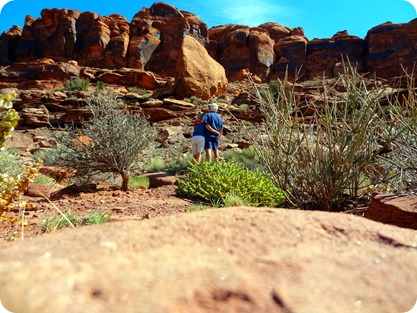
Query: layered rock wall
[152,41]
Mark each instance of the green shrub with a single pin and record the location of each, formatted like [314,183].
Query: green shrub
[77,83]
[198,207]
[44,180]
[101,85]
[139,182]
[154,165]
[247,157]
[179,165]
[232,199]
[215,182]
[69,219]
[96,217]
[52,224]
[10,162]
[243,108]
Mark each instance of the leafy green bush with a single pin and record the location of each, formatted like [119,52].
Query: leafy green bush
[77,83]
[215,182]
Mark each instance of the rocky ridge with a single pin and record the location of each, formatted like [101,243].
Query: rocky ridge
[153,41]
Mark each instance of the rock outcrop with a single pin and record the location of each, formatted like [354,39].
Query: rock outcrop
[219,260]
[391,49]
[198,74]
[153,40]
[399,210]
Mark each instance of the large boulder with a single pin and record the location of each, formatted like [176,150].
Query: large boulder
[156,37]
[198,73]
[219,260]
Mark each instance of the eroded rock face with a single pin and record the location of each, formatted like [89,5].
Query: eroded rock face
[157,34]
[391,48]
[198,73]
[220,260]
[324,54]
[152,41]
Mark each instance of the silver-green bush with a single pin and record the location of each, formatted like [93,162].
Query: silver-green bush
[113,140]
[317,159]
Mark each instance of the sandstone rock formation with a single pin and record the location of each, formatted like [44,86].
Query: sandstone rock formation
[219,260]
[323,55]
[399,210]
[152,41]
[391,48]
[198,74]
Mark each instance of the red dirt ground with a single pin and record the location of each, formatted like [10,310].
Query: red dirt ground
[136,204]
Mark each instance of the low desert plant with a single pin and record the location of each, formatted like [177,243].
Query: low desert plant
[198,207]
[399,164]
[77,83]
[14,175]
[215,182]
[154,165]
[69,219]
[112,141]
[52,224]
[180,165]
[232,199]
[44,180]
[97,217]
[10,162]
[317,159]
[248,157]
[139,182]
[101,85]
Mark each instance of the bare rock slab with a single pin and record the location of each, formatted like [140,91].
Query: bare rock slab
[219,260]
[399,210]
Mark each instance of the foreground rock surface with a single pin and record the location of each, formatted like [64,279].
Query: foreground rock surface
[219,260]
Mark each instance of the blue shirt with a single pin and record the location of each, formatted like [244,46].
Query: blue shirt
[215,121]
[199,129]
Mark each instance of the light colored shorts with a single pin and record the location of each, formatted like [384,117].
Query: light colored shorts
[197,144]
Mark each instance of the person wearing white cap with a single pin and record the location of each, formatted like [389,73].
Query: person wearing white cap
[213,130]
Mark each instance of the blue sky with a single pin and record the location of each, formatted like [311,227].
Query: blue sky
[319,19]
